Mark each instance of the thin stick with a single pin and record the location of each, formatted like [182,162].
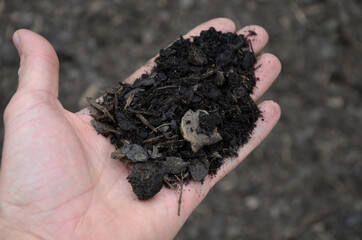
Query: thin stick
[146,122]
[100,108]
[180,199]
[143,112]
[169,184]
[153,139]
[251,46]
[205,75]
[181,190]
[165,87]
[129,100]
[115,102]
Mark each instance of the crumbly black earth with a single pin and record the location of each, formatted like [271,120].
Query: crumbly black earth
[212,75]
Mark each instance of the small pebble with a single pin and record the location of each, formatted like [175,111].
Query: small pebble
[198,171]
[135,153]
[175,165]
[196,56]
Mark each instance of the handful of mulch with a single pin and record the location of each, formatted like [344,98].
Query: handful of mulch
[181,120]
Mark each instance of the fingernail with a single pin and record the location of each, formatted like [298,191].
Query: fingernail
[16,40]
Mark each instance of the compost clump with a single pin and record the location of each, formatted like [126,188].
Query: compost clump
[178,122]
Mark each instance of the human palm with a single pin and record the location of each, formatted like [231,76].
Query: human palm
[57,180]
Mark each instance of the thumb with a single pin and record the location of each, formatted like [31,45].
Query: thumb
[39,64]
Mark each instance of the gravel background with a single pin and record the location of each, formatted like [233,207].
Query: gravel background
[302,182]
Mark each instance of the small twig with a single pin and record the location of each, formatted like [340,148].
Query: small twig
[129,100]
[100,117]
[251,33]
[143,112]
[257,67]
[100,108]
[237,107]
[165,87]
[146,122]
[214,110]
[169,184]
[205,75]
[120,89]
[153,139]
[115,102]
[113,131]
[169,136]
[234,98]
[181,190]
[163,125]
[251,46]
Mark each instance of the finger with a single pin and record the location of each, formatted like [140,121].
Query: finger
[258,40]
[267,70]
[220,24]
[39,65]
[264,125]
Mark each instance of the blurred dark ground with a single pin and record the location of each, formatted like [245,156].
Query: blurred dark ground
[305,180]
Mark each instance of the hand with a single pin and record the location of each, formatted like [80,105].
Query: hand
[57,180]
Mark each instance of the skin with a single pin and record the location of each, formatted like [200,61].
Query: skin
[57,180]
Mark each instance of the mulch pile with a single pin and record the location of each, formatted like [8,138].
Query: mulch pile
[178,122]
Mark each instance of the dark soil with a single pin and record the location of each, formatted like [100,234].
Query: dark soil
[184,117]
